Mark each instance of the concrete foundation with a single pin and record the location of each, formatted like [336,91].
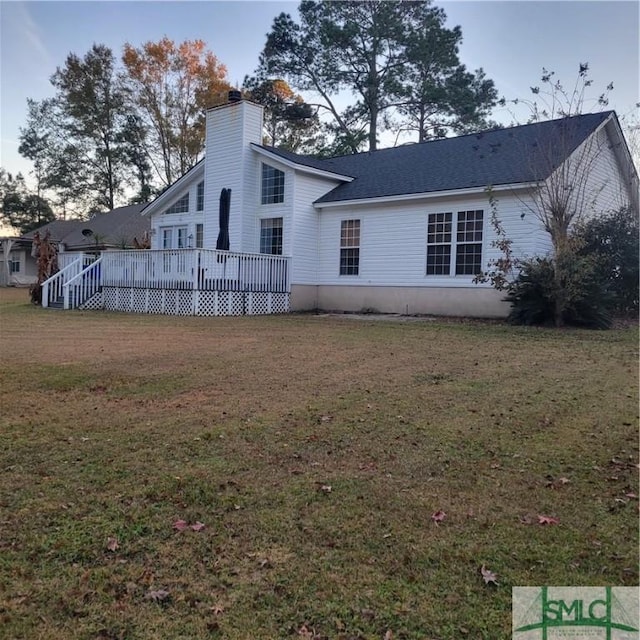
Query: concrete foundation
[472,302]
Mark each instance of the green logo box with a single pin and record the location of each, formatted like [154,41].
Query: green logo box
[576,613]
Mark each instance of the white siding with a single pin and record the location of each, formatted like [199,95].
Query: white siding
[306,225]
[606,190]
[593,172]
[230,163]
[393,239]
[160,219]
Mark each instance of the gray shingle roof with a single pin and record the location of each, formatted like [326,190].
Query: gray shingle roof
[521,154]
[116,229]
[57,228]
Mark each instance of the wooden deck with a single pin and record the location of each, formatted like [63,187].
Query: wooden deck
[173,282]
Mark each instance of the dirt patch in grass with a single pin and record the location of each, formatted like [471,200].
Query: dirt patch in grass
[315,451]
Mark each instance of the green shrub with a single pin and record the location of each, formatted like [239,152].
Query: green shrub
[613,240]
[570,288]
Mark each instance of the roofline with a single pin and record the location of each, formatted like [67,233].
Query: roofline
[172,187]
[424,195]
[625,144]
[303,168]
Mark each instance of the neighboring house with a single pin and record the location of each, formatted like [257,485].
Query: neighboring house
[115,229]
[400,230]
[17,267]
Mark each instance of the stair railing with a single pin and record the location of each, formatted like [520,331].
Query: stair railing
[52,287]
[83,286]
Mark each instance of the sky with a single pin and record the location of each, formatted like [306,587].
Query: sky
[512,40]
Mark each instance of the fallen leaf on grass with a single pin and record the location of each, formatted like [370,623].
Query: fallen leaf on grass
[305,632]
[489,577]
[158,595]
[438,516]
[547,520]
[217,609]
[180,525]
[388,635]
[112,544]
[633,496]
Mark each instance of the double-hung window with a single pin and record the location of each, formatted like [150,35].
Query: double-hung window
[349,247]
[454,250]
[272,185]
[271,236]
[14,265]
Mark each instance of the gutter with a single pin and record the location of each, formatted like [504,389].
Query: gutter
[428,195]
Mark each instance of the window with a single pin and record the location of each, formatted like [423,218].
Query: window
[271,236]
[465,247]
[174,237]
[199,236]
[349,247]
[167,235]
[180,206]
[469,243]
[14,265]
[439,244]
[272,185]
[200,197]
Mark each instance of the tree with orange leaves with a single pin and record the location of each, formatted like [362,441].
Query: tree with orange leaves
[171,86]
[289,122]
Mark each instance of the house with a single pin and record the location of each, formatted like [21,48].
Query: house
[398,230]
[18,267]
[254,229]
[116,229]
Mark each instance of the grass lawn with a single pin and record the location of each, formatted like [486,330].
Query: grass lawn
[315,451]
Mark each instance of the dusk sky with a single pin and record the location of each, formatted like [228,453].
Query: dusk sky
[512,41]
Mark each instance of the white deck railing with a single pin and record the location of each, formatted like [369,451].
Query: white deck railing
[67,257]
[195,269]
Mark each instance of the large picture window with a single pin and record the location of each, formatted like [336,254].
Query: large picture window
[350,247]
[271,236]
[459,253]
[180,206]
[272,185]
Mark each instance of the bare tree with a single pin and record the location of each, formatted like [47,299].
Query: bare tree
[572,169]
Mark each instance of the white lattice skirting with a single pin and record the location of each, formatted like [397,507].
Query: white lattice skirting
[189,303]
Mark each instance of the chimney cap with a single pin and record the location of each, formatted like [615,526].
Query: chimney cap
[235,95]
